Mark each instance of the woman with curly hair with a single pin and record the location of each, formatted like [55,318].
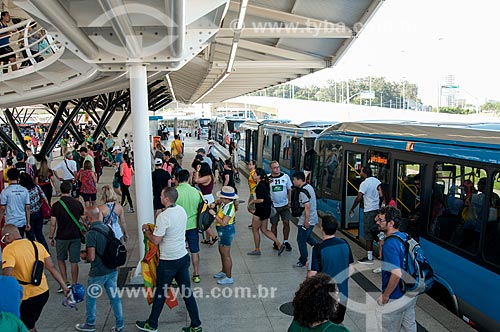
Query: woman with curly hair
[315,304]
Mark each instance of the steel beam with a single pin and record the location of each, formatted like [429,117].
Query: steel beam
[44,151]
[10,143]
[66,123]
[122,122]
[15,128]
[107,115]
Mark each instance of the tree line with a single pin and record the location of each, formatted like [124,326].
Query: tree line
[401,94]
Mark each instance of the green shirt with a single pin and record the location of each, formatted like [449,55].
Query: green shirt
[325,327]
[9,322]
[189,198]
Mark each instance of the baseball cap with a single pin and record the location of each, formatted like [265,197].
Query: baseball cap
[202,150]
[20,156]
[158,161]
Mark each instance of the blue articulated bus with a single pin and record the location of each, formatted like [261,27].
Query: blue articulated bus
[446,181]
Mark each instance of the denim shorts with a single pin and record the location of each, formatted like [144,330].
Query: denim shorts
[193,240]
[226,235]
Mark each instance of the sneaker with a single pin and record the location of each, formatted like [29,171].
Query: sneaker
[219,275]
[192,329]
[298,265]
[282,248]
[85,327]
[116,329]
[377,270]
[225,281]
[60,290]
[275,247]
[365,260]
[288,247]
[196,279]
[254,253]
[131,210]
[250,226]
[144,326]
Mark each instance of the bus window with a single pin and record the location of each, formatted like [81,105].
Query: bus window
[275,152]
[408,189]
[379,163]
[492,242]
[458,206]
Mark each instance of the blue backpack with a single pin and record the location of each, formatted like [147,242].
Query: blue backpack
[418,276]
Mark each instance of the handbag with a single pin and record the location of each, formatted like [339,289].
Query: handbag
[82,229]
[45,207]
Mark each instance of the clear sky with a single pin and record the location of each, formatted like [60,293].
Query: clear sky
[424,40]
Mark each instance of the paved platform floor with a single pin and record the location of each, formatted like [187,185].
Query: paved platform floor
[238,307]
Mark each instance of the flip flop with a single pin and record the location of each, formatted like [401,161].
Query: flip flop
[215,239]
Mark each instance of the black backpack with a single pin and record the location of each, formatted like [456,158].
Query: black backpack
[296,208]
[115,253]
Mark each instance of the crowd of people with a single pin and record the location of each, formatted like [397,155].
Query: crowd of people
[321,302]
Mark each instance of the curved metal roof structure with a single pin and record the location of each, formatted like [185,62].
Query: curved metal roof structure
[211,50]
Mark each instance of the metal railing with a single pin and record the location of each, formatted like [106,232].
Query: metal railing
[27,45]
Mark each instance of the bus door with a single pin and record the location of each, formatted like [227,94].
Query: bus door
[255,145]
[248,137]
[296,154]
[408,191]
[353,180]
[276,147]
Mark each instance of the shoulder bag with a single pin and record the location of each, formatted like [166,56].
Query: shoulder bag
[37,272]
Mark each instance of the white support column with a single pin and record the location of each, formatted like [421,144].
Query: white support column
[142,156]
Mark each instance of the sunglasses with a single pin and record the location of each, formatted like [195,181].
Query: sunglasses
[3,238]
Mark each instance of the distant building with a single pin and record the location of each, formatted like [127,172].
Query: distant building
[449,90]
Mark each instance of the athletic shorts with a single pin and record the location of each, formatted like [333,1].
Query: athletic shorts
[226,235]
[368,222]
[71,246]
[193,240]
[284,212]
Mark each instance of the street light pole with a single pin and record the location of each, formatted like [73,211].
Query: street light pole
[404,93]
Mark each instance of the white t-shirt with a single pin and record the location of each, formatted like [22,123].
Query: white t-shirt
[171,225]
[370,194]
[279,189]
[66,169]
